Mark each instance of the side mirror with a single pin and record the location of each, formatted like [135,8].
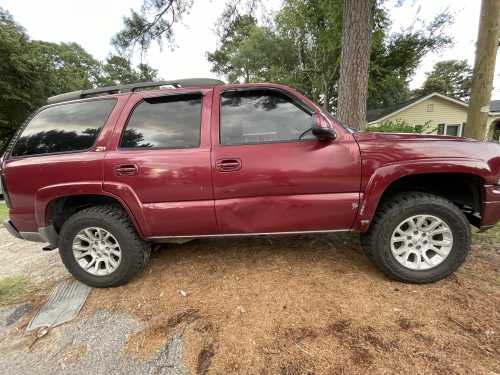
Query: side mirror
[322,129]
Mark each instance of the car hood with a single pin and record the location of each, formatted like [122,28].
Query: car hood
[385,148]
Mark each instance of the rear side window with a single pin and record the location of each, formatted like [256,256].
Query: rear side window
[63,128]
[164,122]
[262,116]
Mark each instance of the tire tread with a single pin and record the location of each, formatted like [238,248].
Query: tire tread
[138,250]
[391,207]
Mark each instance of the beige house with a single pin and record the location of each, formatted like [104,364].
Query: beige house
[435,112]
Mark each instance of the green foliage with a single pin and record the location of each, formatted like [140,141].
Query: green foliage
[313,29]
[68,66]
[21,79]
[117,70]
[400,126]
[297,49]
[31,71]
[302,48]
[452,78]
[395,57]
[250,53]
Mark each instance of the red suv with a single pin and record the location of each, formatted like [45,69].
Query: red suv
[102,174]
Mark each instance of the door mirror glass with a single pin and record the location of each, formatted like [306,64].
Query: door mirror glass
[322,129]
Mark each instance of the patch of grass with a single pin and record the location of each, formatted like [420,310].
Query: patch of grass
[12,289]
[4,211]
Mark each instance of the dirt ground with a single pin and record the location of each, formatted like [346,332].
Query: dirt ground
[304,305]
[311,305]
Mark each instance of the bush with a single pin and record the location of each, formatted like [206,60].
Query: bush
[400,126]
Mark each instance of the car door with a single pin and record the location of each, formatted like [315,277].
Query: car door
[159,161]
[270,173]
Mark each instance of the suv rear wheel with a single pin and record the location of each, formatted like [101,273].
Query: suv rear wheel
[100,247]
[418,238]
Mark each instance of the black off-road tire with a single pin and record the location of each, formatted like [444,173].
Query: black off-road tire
[376,242]
[135,251]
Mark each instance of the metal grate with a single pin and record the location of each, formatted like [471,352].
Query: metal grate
[64,303]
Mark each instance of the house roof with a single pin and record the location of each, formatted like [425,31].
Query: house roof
[377,115]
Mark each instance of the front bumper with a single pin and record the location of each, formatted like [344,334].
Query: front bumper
[491,206]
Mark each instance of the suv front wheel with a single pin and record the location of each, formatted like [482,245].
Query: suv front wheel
[100,247]
[418,238]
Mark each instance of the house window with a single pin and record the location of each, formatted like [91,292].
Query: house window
[453,129]
[430,107]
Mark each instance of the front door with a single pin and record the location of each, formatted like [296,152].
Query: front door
[160,162]
[271,174]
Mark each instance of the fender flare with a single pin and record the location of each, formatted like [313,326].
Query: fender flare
[386,175]
[129,201]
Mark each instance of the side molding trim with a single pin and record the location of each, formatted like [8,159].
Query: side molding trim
[162,238]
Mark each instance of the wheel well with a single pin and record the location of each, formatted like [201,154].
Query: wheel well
[60,209]
[464,190]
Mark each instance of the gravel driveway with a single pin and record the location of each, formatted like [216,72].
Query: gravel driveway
[92,344]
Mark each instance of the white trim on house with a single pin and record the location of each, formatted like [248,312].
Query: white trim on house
[416,102]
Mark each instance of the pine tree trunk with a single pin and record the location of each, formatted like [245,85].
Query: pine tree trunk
[357,26]
[484,70]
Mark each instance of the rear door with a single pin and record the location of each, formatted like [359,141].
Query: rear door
[160,160]
[272,175]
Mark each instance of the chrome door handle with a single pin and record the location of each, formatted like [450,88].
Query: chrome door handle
[127,170]
[228,165]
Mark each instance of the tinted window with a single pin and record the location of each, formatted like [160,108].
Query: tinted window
[261,116]
[63,128]
[165,122]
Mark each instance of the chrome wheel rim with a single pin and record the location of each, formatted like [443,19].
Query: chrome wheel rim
[421,242]
[97,251]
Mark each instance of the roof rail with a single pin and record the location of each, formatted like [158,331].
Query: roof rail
[80,94]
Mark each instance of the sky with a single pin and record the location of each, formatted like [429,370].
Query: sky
[92,23]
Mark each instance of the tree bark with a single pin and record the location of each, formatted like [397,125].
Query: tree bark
[484,70]
[357,27]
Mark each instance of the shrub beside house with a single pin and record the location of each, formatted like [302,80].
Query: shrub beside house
[434,114]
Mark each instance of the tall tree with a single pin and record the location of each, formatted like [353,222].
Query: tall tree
[118,70]
[452,78]
[314,29]
[484,69]
[154,22]
[20,87]
[357,27]
[395,57]
[70,67]
[302,48]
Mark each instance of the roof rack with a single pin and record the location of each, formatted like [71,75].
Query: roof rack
[89,93]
